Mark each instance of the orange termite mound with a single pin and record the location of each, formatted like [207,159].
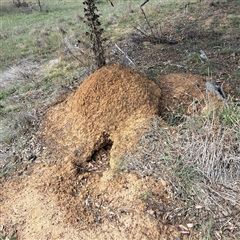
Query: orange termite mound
[109,110]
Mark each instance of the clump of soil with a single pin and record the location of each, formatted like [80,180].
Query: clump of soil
[109,110]
[185,93]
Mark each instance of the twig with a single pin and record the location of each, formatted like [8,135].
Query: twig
[176,65]
[144,3]
[125,54]
[143,33]
[111,2]
[222,90]
[228,198]
[147,22]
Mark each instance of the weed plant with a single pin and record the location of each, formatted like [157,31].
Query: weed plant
[95,32]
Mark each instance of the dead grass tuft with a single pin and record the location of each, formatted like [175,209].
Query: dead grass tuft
[209,149]
[25,120]
[200,159]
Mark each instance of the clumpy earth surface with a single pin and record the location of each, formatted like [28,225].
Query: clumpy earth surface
[79,194]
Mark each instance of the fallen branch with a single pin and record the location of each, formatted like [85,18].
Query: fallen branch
[144,3]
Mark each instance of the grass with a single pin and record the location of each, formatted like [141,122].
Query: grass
[174,118]
[144,196]
[38,34]
[4,95]
[235,21]
[229,50]
[13,237]
[210,224]
[236,76]
[229,117]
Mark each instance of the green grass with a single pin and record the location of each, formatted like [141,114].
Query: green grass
[209,227]
[144,196]
[28,86]
[185,161]
[36,33]
[4,95]
[235,21]
[229,50]
[188,177]
[13,108]
[230,117]
[12,237]
[236,75]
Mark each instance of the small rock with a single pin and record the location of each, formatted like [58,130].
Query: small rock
[189,225]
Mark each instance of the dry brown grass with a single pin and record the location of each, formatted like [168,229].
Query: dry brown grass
[205,144]
[201,160]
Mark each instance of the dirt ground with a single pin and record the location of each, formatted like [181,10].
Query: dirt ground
[80,195]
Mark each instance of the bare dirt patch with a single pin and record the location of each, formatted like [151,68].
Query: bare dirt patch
[20,71]
[48,204]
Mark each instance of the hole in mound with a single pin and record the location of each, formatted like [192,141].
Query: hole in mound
[103,145]
[99,158]
[102,153]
